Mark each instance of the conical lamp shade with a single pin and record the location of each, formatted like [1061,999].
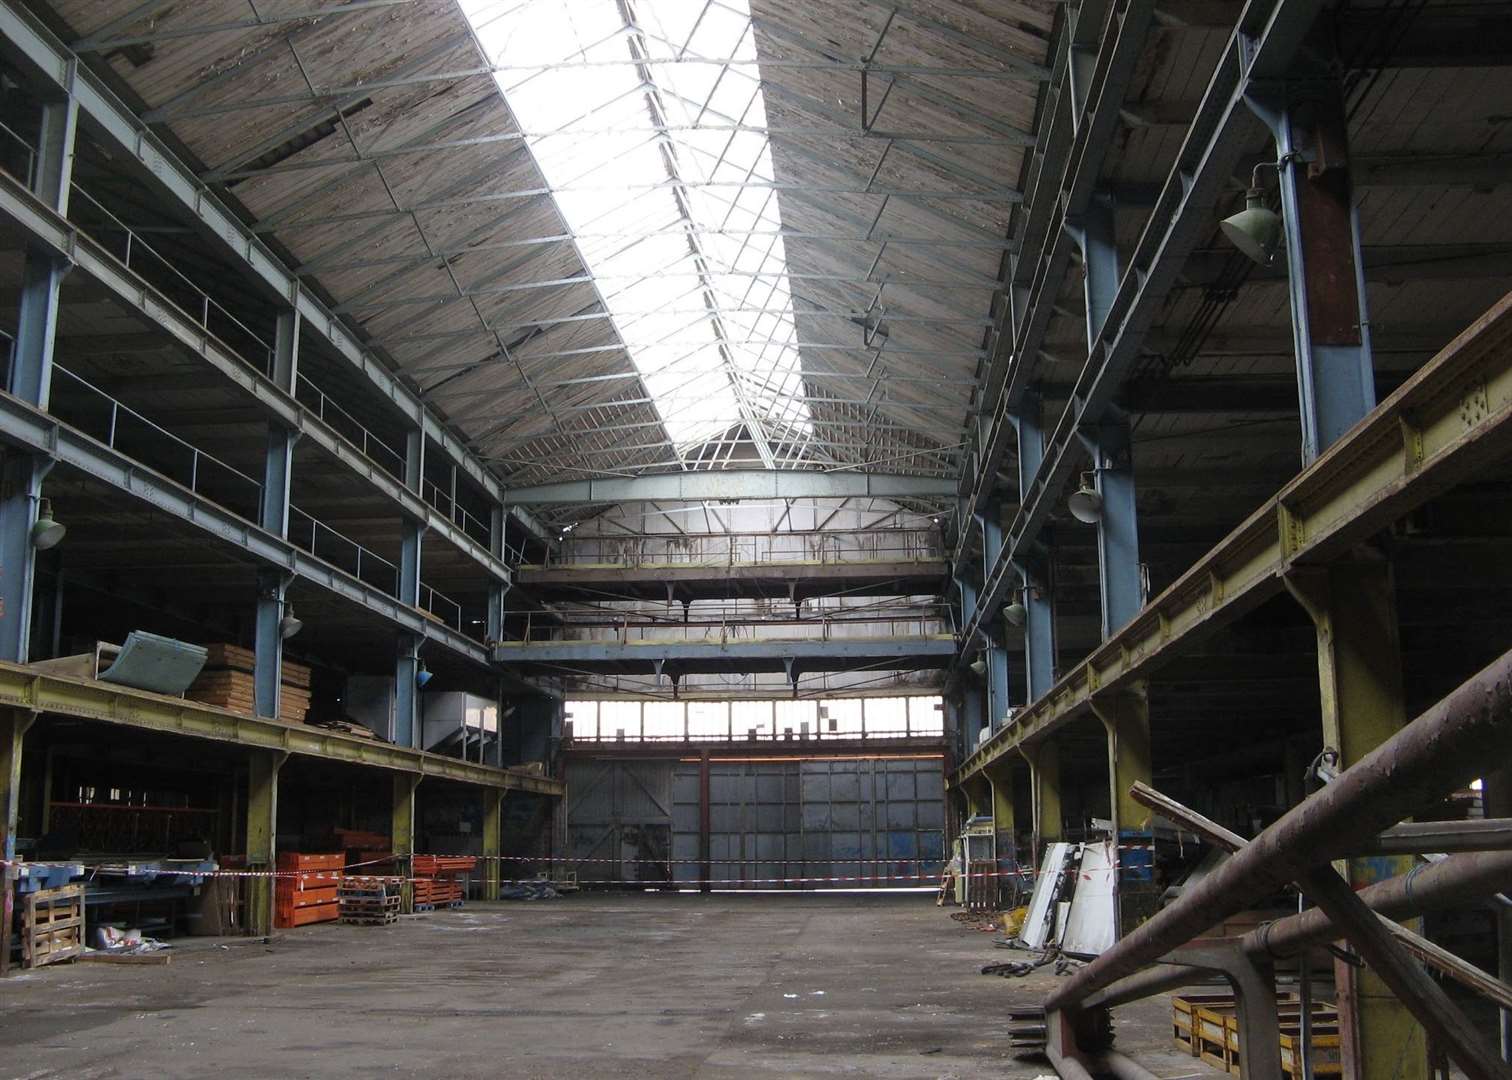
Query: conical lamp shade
[46,532]
[1085,505]
[1255,230]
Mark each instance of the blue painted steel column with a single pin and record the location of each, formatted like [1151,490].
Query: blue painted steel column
[273,515]
[996,653]
[497,590]
[42,274]
[1039,619]
[407,665]
[1117,530]
[1324,267]
[1118,569]
[971,716]
[30,379]
[20,487]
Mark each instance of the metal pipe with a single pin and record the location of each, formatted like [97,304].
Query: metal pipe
[1454,882]
[1416,837]
[1445,747]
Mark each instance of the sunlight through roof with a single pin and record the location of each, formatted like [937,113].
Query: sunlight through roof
[662,168]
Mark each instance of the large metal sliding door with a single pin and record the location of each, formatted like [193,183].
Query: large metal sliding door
[813,824]
[619,820]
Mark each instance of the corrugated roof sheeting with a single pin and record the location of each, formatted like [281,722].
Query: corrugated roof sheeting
[369,145]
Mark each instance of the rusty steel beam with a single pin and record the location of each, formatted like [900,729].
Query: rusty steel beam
[1445,747]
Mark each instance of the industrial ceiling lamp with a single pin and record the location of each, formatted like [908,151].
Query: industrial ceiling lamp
[1016,613]
[979,666]
[422,675]
[1086,501]
[1255,230]
[46,532]
[290,624]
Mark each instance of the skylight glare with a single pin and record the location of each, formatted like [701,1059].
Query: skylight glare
[662,167]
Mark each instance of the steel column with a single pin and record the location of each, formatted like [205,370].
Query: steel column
[1099,249]
[1003,822]
[273,511]
[1325,275]
[1039,611]
[1125,715]
[407,728]
[994,653]
[1045,781]
[705,849]
[20,492]
[971,715]
[262,833]
[1497,792]
[1120,577]
[13,725]
[267,676]
[497,591]
[402,835]
[30,377]
[1353,608]
[493,804]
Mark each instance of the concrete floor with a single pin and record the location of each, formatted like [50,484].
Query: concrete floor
[588,986]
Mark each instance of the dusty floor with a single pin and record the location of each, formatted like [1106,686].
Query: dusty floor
[589,986]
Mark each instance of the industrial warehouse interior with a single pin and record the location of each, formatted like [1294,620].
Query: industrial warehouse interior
[756,538]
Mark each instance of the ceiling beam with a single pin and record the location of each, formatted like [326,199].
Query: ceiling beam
[734,484]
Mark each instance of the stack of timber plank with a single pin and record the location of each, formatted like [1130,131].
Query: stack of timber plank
[438,880]
[313,894]
[52,926]
[1207,1027]
[226,682]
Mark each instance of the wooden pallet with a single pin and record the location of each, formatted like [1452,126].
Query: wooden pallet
[52,926]
[386,918]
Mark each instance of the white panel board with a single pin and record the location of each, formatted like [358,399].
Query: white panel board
[1036,928]
[1091,927]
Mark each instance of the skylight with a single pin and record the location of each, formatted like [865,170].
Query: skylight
[661,167]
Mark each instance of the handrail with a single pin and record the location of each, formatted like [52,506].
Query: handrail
[115,427]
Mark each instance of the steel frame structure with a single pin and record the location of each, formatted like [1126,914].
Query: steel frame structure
[1452,417]
[1441,750]
[25,689]
[1261,48]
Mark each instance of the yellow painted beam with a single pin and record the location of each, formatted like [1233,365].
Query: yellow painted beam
[25,688]
[1443,426]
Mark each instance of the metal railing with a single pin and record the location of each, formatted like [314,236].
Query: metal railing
[136,254]
[782,735]
[627,630]
[348,426]
[127,245]
[750,548]
[123,429]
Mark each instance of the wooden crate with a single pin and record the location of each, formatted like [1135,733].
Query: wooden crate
[1206,1026]
[1326,1055]
[52,926]
[1183,1020]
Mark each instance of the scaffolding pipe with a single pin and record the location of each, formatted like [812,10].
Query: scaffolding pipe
[1443,749]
